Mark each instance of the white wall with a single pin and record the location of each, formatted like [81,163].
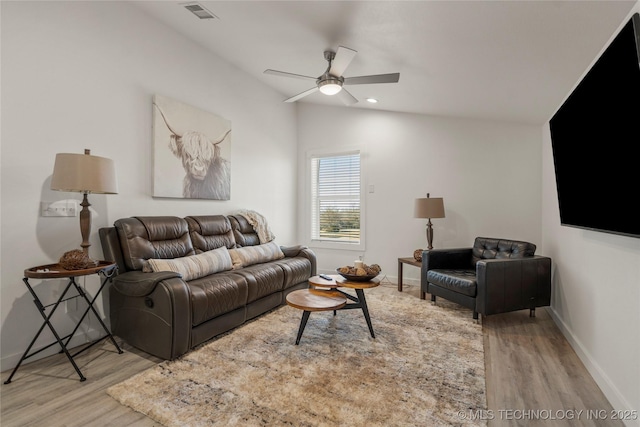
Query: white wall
[596,294]
[487,172]
[81,75]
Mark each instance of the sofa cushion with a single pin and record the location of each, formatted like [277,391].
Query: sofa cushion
[195,266]
[210,232]
[161,237]
[296,270]
[250,255]
[491,248]
[460,281]
[262,279]
[212,296]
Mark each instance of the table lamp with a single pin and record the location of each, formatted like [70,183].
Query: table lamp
[429,207]
[84,173]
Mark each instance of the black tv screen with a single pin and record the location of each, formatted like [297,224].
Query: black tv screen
[595,138]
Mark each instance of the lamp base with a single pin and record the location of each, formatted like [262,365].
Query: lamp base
[429,235]
[85,224]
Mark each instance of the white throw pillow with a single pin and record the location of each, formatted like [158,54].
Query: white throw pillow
[194,266]
[249,255]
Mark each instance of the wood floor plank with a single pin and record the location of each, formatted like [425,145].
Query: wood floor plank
[529,366]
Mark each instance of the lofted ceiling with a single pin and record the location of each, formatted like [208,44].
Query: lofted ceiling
[497,60]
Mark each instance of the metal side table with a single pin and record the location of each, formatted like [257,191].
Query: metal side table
[105,269]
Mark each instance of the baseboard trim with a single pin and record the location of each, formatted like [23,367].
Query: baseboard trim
[607,386]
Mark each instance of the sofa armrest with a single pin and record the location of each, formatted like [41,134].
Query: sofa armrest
[139,284]
[152,312]
[513,284]
[292,251]
[301,251]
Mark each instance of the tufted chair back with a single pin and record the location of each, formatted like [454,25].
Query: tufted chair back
[490,248]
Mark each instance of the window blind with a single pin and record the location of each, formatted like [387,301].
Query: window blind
[335,198]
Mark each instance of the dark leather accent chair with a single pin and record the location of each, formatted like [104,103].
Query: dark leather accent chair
[495,276]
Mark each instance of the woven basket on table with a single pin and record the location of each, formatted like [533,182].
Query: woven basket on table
[76,260]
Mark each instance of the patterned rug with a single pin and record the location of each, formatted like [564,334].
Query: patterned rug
[424,368]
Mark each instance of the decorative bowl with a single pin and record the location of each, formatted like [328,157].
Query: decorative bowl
[354,278]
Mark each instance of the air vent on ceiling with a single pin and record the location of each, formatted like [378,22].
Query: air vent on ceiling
[199,10]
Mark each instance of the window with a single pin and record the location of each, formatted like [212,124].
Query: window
[336,208]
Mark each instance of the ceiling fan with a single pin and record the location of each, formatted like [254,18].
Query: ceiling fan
[331,82]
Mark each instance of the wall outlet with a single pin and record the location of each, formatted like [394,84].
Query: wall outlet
[59,208]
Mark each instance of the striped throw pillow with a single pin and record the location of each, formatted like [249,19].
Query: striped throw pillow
[249,255]
[194,266]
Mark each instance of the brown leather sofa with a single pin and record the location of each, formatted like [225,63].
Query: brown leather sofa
[164,315]
[494,276]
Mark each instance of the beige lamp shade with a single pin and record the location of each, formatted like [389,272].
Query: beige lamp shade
[429,207]
[84,173]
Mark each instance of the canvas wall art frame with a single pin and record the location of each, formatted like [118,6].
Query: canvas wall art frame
[191,152]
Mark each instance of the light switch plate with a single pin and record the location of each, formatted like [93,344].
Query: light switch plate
[59,208]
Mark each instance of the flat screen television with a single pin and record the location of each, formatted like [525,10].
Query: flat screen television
[595,138]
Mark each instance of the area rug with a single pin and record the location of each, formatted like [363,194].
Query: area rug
[424,368]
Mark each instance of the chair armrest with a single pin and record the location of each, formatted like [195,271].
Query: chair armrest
[301,251]
[139,284]
[513,284]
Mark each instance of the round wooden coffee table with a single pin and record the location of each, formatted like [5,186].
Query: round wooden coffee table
[309,300]
[359,301]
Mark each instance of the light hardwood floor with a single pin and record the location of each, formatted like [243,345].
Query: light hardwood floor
[531,371]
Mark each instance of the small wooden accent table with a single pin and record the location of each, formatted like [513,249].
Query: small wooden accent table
[324,295]
[410,261]
[309,300]
[105,269]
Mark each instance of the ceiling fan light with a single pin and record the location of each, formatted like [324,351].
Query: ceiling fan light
[330,86]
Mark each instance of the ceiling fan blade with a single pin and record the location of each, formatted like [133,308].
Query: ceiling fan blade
[302,95]
[378,78]
[283,74]
[343,58]
[346,97]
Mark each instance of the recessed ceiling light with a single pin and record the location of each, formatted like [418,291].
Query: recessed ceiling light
[372,100]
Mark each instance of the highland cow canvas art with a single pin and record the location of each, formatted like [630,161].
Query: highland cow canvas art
[192,150]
